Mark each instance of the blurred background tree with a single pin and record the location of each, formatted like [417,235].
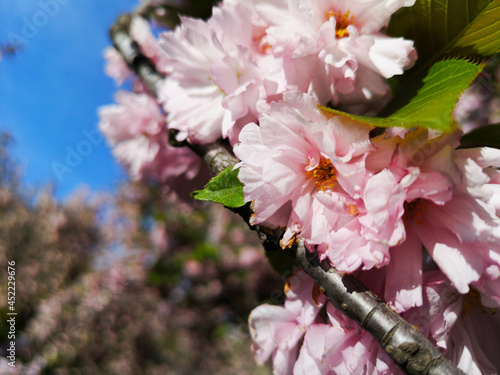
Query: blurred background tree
[128,284]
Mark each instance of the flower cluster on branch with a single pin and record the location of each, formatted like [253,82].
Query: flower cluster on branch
[406,210]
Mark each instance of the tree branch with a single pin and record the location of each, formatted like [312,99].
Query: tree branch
[142,66]
[401,340]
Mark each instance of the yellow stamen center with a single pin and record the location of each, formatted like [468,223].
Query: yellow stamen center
[324,174]
[342,21]
[353,211]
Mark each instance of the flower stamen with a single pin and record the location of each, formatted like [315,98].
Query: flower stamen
[324,174]
[353,211]
[341,22]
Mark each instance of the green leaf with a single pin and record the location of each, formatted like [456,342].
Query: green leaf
[468,29]
[225,188]
[439,27]
[483,35]
[433,105]
[485,136]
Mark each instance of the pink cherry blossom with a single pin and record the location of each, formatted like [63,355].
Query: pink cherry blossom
[377,226]
[461,325]
[330,42]
[452,207]
[341,347]
[136,154]
[366,202]
[325,181]
[116,67]
[448,201]
[134,114]
[223,74]
[189,96]
[303,170]
[218,81]
[277,330]
[136,130]
[466,329]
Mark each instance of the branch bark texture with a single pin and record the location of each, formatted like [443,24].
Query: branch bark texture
[401,340]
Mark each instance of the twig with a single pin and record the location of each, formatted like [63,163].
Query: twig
[401,340]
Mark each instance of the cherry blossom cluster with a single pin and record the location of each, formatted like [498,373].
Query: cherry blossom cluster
[225,72]
[136,130]
[300,340]
[370,205]
[136,127]
[413,216]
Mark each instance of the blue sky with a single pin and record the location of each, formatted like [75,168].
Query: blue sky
[51,89]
